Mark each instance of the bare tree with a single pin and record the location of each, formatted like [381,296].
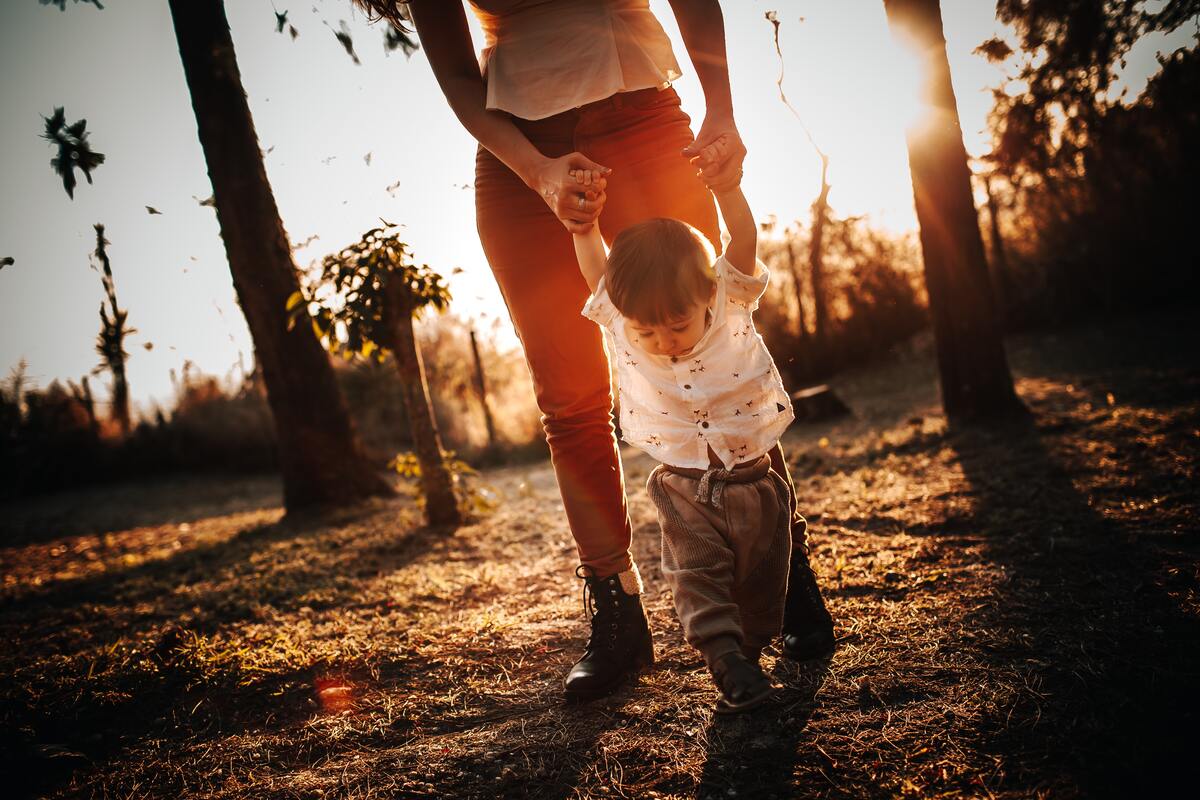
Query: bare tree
[110,342]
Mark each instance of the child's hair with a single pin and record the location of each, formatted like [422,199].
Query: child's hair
[658,269]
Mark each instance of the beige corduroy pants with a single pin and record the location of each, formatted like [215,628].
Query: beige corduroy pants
[726,542]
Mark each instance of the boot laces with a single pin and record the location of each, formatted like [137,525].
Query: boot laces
[602,608]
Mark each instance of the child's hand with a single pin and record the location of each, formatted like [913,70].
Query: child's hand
[709,160]
[591,178]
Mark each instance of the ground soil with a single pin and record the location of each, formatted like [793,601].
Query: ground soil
[1017,610]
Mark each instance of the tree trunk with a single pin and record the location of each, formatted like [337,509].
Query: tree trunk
[798,283]
[481,387]
[816,266]
[441,505]
[1001,278]
[320,458]
[974,373]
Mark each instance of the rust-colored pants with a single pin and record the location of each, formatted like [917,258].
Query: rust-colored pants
[640,135]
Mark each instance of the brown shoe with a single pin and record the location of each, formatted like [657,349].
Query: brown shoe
[743,685]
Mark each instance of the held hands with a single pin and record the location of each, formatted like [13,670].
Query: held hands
[573,187]
[718,153]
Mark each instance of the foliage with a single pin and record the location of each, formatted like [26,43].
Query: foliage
[474,497]
[349,298]
[74,151]
[873,293]
[1090,194]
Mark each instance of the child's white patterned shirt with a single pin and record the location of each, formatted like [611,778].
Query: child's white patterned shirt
[725,393]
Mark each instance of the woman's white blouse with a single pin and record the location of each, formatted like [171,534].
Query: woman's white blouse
[541,58]
[725,394]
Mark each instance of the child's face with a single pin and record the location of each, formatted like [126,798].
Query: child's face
[677,336]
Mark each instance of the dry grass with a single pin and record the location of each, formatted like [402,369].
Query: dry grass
[1017,614]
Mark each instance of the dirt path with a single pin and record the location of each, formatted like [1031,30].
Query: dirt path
[1017,611]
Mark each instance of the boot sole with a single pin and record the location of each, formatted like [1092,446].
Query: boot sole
[813,647]
[640,665]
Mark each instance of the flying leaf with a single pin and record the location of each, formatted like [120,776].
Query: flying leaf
[343,36]
[153,210]
[394,38]
[74,152]
[62,4]
[4,262]
[280,21]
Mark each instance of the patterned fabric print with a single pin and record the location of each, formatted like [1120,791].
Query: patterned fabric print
[725,394]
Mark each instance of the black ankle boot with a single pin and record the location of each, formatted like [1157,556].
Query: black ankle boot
[620,644]
[807,625]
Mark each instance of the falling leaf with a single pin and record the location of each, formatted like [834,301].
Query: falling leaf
[149,345]
[4,262]
[280,21]
[457,271]
[292,30]
[396,38]
[367,159]
[327,161]
[153,210]
[62,4]
[74,152]
[392,189]
[343,36]
[210,201]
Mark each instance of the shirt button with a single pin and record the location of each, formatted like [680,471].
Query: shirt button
[704,424]
[674,359]
[687,386]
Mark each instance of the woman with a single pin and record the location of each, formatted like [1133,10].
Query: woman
[585,84]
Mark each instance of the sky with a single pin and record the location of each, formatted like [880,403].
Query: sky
[321,116]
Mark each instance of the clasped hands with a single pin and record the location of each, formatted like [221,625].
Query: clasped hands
[574,186]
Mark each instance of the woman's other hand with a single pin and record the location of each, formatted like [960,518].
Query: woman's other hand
[718,152]
[573,187]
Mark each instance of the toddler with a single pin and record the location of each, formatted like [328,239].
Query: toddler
[700,394]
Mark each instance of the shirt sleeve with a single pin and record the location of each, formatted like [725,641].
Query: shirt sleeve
[740,288]
[600,309]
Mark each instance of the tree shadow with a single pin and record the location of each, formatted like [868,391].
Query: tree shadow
[1079,613]
[95,510]
[170,696]
[754,754]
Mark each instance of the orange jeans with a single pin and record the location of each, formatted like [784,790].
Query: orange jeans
[640,135]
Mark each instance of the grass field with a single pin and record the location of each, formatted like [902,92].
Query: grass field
[1017,608]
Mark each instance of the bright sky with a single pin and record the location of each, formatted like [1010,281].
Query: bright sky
[322,115]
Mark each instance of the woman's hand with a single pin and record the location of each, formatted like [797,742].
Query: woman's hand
[574,202]
[718,153]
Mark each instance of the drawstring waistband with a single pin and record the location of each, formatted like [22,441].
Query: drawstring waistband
[710,490]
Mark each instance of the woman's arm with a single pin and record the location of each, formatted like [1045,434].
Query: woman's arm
[703,29]
[446,39]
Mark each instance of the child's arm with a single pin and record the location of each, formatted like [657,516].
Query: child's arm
[742,250]
[589,247]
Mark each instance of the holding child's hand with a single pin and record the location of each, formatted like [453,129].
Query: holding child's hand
[720,162]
